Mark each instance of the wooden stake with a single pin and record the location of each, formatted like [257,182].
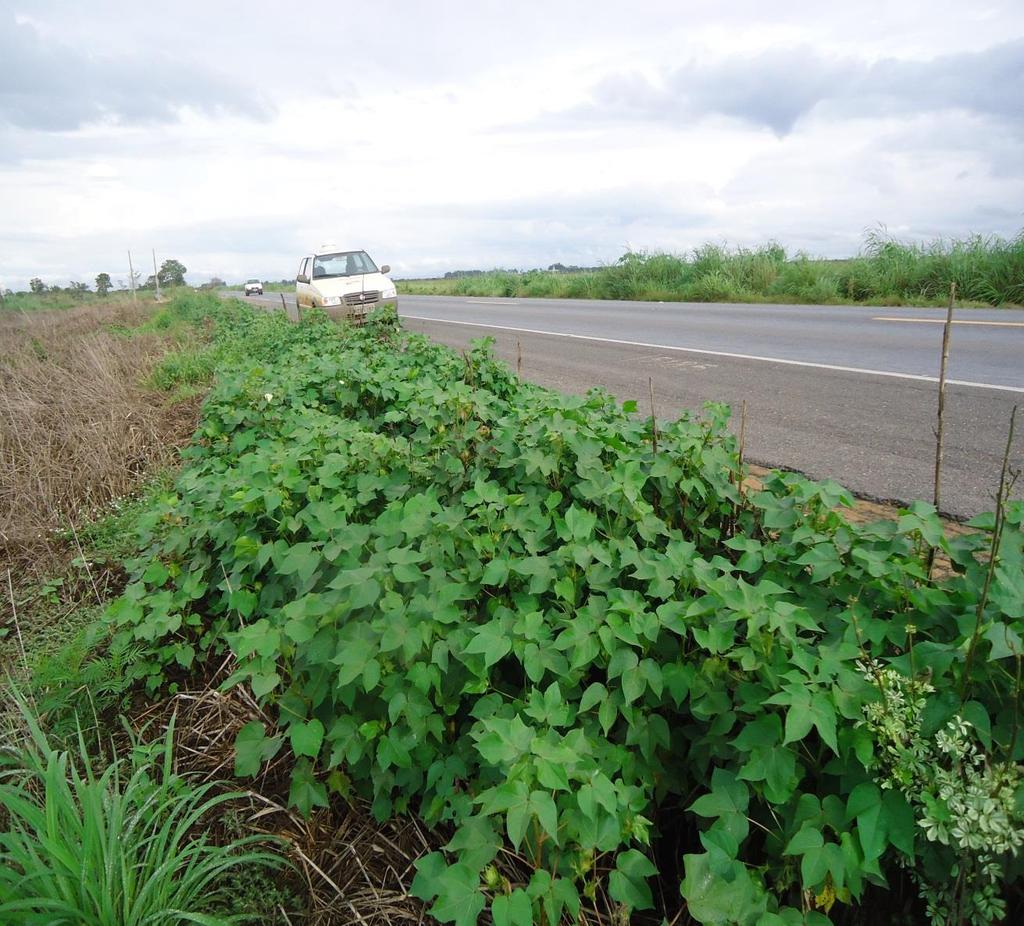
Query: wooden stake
[156,276]
[654,421]
[937,493]
[743,441]
[519,358]
[131,276]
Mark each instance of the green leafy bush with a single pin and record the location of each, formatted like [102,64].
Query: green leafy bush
[121,847]
[507,610]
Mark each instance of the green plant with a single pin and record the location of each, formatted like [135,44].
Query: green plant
[121,847]
[964,802]
[986,270]
[506,610]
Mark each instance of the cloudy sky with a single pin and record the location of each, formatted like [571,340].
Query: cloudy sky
[232,136]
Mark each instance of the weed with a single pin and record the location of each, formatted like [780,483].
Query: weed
[119,847]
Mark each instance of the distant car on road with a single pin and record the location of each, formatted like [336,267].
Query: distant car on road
[253,287]
[345,284]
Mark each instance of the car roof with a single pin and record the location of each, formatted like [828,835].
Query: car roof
[334,249]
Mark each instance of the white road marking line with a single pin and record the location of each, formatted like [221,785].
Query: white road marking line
[471,301]
[722,353]
[942,321]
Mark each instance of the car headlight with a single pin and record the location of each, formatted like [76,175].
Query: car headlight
[332,300]
[389,292]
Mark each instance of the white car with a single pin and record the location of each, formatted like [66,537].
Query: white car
[345,284]
[253,287]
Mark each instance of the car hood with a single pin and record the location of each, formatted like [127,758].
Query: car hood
[339,286]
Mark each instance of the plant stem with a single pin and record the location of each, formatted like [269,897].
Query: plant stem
[1016,714]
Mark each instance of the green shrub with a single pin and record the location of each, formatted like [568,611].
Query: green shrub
[113,848]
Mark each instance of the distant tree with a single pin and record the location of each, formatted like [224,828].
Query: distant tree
[37,286]
[103,284]
[150,282]
[76,287]
[172,273]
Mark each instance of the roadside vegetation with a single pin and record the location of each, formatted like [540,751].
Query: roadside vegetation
[474,647]
[987,271]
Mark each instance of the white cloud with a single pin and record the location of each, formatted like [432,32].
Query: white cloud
[462,134]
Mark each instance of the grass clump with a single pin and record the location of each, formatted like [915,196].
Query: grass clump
[119,847]
[987,271]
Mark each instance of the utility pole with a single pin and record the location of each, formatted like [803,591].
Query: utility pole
[156,276]
[131,276]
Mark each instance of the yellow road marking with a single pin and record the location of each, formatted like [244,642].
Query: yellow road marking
[942,321]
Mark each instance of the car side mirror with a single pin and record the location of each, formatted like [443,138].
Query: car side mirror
[302,278]
[386,268]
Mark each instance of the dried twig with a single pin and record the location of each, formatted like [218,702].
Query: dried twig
[654,421]
[1002,496]
[17,626]
[940,426]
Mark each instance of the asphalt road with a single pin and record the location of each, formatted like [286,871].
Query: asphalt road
[846,393]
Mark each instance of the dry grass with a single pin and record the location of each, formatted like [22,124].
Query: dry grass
[77,428]
[351,868]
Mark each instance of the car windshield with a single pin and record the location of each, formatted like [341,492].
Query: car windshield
[342,264]
[252,281]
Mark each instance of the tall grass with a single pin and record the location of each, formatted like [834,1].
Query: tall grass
[123,847]
[987,270]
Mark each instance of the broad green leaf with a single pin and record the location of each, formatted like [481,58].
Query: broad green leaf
[476,842]
[543,805]
[808,839]
[734,899]
[728,795]
[306,737]
[512,909]
[627,883]
[253,747]
[459,898]
[306,792]
[495,573]
[492,642]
